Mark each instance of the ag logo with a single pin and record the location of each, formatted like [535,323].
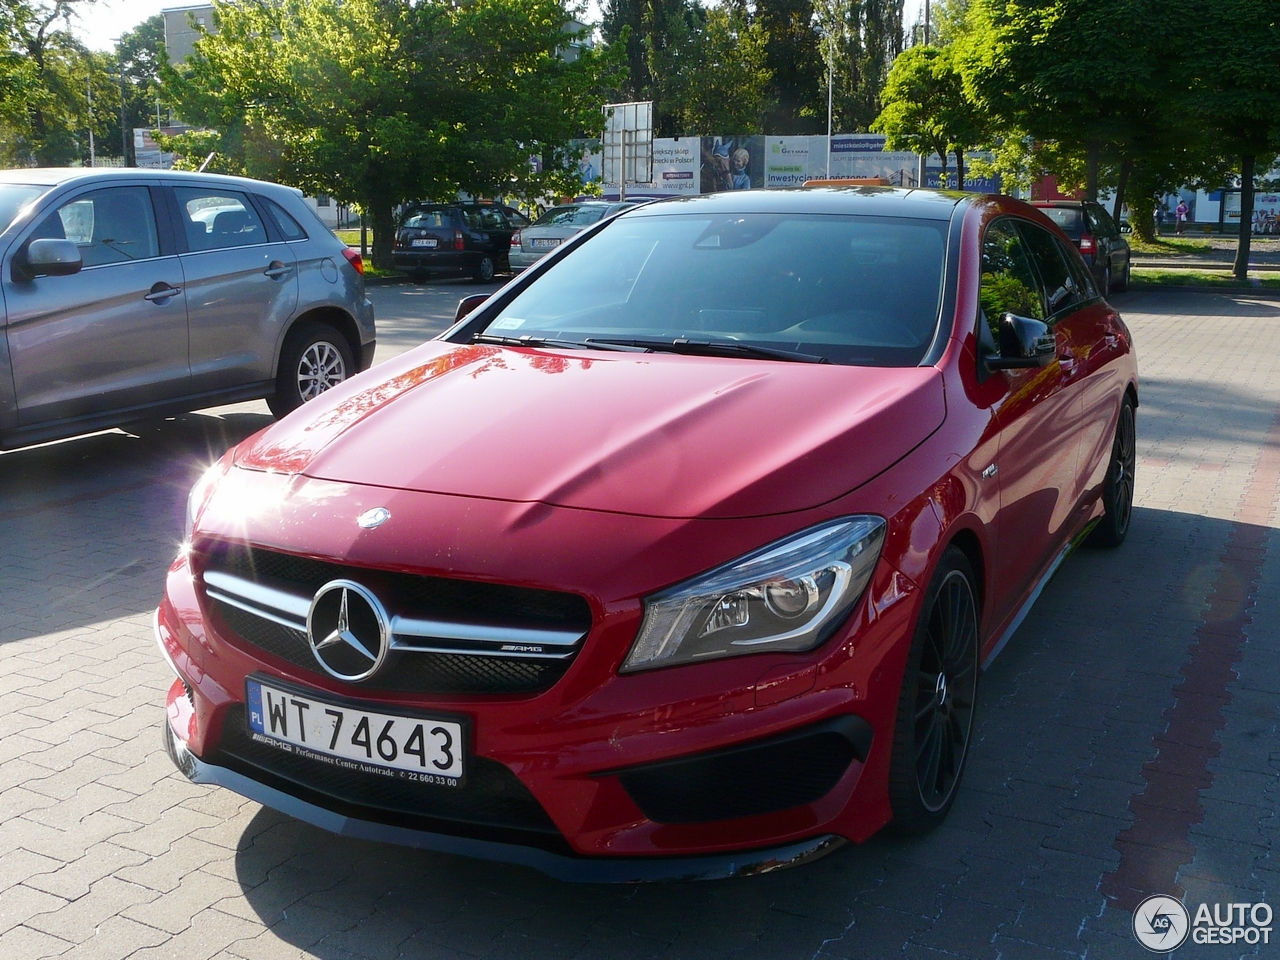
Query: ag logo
[1161,924]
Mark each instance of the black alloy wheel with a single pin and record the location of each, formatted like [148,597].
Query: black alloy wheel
[1117,489]
[937,702]
[484,270]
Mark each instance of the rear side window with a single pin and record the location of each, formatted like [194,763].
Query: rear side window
[217,219]
[289,228]
[109,226]
[1103,225]
[1057,283]
[484,218]
[570,216]
[1008,284]
[430,219]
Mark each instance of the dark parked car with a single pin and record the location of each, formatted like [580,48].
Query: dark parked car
[134,293]
[456,238]
[1097,238]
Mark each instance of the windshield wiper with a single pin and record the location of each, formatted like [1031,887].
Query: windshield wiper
[709,348]
[531,341]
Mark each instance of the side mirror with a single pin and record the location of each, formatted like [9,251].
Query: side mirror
[1024,342]
[52,258]
[468,305]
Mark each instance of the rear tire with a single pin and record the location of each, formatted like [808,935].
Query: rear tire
[937,702]
[484,271]
[1117,489]
[1123,284]
[1105,287]
[315,358]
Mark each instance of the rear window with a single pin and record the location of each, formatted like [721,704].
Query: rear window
[854,290]
[570,216]
[1070,219]
[429,219]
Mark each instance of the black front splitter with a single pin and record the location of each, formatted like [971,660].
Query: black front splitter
[570,869]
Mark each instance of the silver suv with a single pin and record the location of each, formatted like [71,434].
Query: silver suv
[133,293]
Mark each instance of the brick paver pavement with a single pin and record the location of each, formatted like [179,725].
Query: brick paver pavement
[1100,769]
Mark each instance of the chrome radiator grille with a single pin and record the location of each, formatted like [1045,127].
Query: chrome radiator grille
[447,636]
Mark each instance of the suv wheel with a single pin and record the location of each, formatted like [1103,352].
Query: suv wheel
[484,270]
[315,358]
[1123,283]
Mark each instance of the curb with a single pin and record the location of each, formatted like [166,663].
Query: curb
[1254,293]
[387,281]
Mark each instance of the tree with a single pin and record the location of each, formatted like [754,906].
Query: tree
[140,57]
[1022,64]
[375,102]
[1238,95]
[797,84]
[926,109]
[44,82]
[860,39]
[727,88]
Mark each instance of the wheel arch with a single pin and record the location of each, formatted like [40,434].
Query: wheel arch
[331,316]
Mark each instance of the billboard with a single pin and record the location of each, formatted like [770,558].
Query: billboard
[731,163]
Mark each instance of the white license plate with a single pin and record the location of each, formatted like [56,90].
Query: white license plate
[541,242]
[429,242]
[421,749]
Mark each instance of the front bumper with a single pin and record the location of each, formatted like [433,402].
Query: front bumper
[573,750]
[571,869]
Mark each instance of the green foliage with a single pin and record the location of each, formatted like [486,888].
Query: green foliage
[375,102]
[798,82]
[45,80]
[860,40]
[926,108]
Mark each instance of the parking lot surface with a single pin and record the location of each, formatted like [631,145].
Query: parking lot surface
[1126,745]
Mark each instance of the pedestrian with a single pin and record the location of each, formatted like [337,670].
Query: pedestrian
[1181,215]
[1159,215]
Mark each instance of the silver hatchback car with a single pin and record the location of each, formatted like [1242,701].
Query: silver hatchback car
[131,293]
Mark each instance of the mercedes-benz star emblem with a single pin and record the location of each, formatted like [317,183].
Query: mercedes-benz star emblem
[373,518]
[348,630]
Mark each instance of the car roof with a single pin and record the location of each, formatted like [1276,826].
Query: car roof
[867,201]
[1058,203]
[54,176]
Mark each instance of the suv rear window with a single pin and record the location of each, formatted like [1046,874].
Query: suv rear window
[430,219]
[1069,219]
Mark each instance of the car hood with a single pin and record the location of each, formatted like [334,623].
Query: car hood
[649,434]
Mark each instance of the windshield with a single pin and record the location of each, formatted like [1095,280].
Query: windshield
[573,216]
[852,290]
[13,197]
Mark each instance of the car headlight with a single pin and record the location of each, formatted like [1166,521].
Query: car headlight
[788,596]
[199,496]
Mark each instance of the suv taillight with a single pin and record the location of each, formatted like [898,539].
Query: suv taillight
[354,259]
[1088,244]
[458,243]
[515,239]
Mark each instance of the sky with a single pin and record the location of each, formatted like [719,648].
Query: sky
[98,24]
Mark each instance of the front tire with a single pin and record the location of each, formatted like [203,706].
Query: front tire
[937,702]
[1117,489]
[315,358]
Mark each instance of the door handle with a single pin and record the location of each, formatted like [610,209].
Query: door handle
[277,270]
[161,292]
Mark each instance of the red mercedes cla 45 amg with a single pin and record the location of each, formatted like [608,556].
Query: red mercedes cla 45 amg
[680,556]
